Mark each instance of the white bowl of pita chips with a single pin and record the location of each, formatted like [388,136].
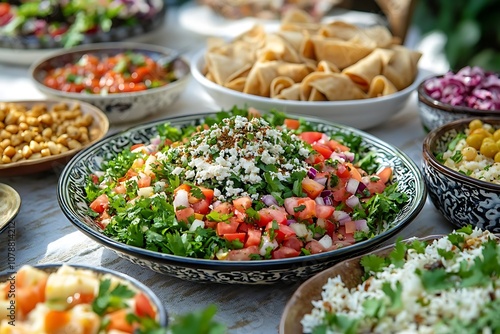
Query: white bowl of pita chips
[337,71]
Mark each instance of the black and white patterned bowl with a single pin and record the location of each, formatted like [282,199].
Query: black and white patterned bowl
[434,113]
[119,107]
[71,197]
[461,199]
[145,25]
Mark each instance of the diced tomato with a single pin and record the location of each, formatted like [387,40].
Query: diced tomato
[292,124]
[336,146]
[235,236]
[315,247]
[229,227]
[342,171]
[350,227]
[143,307]
[223,208]
[133,147]
[202,207]
[144,181]
[95,179]
[253,238]
[211,224]
[285,252]
[311,136]
[330,227]
[242,254]
[118,321]
[312,188]
[322,149]
[385,174]
[376,187]
[324,211]
[267,215]
[300,207]
[315,159]
[120,189]
[100,204]
[284,232]
[183,186]
[4,8]
[342,236]
[294,242]
[355,174]
[183,215]
[208,193]
[242,204]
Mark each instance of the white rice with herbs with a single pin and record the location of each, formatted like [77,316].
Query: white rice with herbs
[481,168]
[409,305]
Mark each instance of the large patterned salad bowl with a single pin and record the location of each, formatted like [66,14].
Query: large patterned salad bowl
[297,221]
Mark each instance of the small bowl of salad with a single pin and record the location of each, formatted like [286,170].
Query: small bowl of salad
[461,166]
[468,92]
[128,81]
[62,298]
[240,197]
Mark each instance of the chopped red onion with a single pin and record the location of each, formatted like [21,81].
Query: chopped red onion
[321,180]
[290,221]
[326,193]
[352,201]
[352,186]
[312,173]
[341,216]
[319,200]
[361,187]
[470,87]
[349,156]
[362,225]
[269,200]
[328,201]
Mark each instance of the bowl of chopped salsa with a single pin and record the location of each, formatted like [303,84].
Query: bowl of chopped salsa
[128,81]
[240,197]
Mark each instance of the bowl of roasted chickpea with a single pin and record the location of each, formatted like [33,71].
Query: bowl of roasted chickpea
[461,166]
[40,135]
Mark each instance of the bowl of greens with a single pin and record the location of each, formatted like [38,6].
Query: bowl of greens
[239,197]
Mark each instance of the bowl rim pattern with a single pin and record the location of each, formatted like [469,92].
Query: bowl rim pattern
[425,98]
[64,200]
[435,135]
[106,47]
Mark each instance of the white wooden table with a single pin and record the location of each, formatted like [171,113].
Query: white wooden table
[44,235]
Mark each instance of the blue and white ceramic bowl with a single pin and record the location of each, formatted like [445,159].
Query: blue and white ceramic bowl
[71,197]
[119,107]
[461,199]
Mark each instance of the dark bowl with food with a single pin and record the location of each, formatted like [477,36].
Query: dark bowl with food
[461,170]
[41,25]
[215,245]
[135,80]
[80,298]
[470,92]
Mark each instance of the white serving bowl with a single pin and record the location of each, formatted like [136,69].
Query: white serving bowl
[361,114]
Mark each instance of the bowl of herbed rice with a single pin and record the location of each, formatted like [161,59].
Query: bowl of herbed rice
[439,284]
[461,167]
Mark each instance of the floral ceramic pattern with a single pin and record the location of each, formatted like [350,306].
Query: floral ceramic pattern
[71,197]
